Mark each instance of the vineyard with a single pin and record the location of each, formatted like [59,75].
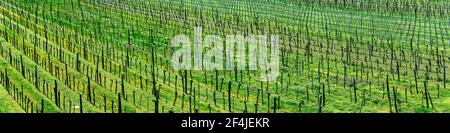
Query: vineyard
[114,56]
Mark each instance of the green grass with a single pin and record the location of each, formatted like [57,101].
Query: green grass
[100,31]
[7,103]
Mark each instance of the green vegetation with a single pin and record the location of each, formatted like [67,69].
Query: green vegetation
[114,56]
[7,103]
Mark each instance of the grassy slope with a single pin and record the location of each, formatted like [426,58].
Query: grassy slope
[340,102]
[7,103]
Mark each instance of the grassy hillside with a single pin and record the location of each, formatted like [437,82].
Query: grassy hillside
[114,56]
